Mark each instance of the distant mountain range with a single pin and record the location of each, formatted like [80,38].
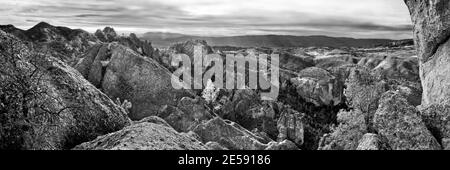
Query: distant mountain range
[160,39]
[44,32]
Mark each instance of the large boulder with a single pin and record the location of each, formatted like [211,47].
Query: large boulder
[402,125]
[140,80]
[431,34]
[46,104]
[437,119]
[351,129]
[144,136]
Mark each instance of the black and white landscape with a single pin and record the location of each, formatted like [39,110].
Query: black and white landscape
[97,75]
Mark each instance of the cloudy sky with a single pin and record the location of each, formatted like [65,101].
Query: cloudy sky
[349,18]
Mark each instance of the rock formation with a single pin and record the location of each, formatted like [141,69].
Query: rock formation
[230,135]
[144,136]
[319,87]
[402,125]
[432,32]
[53,106]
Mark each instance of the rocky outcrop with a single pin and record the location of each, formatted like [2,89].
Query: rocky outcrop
[240,107]
[402,125]
[290,127]
[363,91]
[143,47]
[432,32]
[46,104]
[372,141]
[437,120]
[140,80]
[11,29]
[399,68]
[229,135]
[319,87]
[186,116]
[283,145]
[352,126]
[93,64]
[107,35]
[122,73]
[144,136]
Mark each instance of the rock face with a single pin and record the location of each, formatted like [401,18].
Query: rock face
[432,32]
[437,119]
[122,73]
[229,135]
[290,127]
[363,92]
[54,106]
[108,35]
[283,145]
[399,68]
[144,136]
[142,47]
[347,136]
[140,80]
[186,116]
[92,65]
[371,141]
[319,87]
[401,124]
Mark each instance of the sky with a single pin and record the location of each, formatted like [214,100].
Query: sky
[338,18]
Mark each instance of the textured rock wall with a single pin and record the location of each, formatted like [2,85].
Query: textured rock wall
[431,19]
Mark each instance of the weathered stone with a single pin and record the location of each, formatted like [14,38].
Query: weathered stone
[283,145]
[143,136]
[401,124]
[363,91]
[229,135]
[140,80]
[371,141]
[431,34]
[64,109]
[215,146]
[437,120]
[290,127]
[186,116]
[155,120]
[352,127]
[319,87]
[93,64]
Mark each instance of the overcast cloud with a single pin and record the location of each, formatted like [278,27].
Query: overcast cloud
[349,18]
